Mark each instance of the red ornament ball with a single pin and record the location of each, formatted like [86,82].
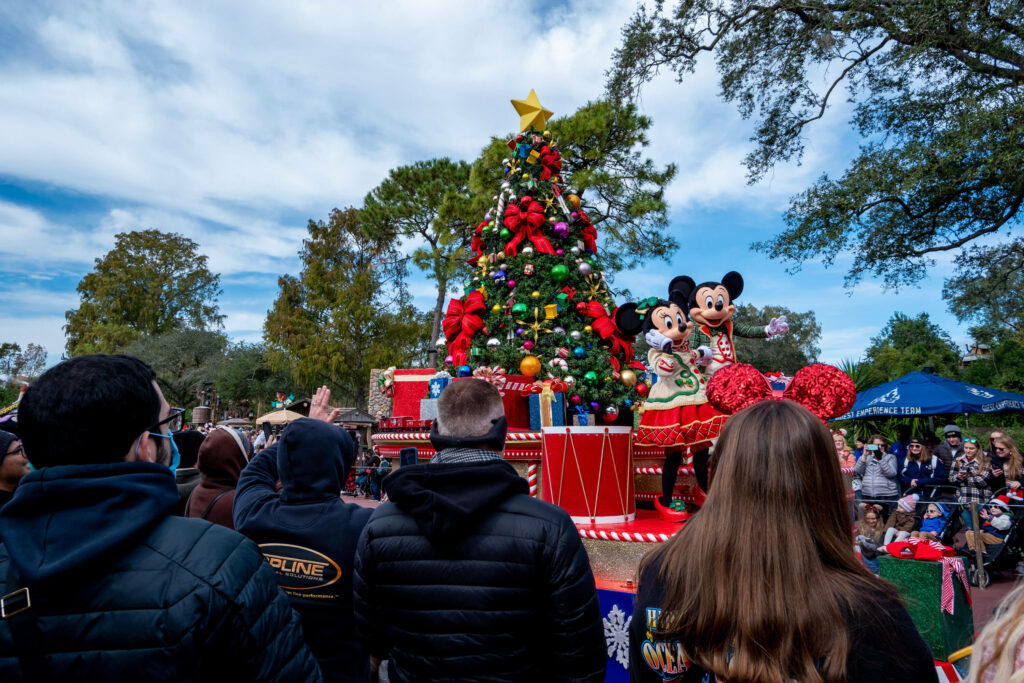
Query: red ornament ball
[581,307]
[642,389]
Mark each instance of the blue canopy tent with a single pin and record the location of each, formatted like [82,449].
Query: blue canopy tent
[922,393]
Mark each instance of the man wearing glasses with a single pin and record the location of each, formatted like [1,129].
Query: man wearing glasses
[98,581]
[13,465]
[952,449]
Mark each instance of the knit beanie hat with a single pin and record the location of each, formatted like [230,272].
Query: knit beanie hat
[6,439]
[938,508]
[951,429]
[908,503]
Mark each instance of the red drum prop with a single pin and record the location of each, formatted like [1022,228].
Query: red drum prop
[588,472]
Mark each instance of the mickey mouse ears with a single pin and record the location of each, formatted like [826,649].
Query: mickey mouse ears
[824,390]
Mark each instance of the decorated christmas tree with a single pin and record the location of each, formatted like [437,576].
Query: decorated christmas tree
[538,303]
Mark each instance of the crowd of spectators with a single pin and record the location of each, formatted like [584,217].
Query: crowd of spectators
[144,552]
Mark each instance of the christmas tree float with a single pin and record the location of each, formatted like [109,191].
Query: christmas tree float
[538,302]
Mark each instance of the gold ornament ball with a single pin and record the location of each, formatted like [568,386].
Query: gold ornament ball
[529,366]
[491,224]
[574,201]
[552,220]
[526,176]
[588,329]
[535,294]
[481,261]
[496,308]
[547,135]
[628,378]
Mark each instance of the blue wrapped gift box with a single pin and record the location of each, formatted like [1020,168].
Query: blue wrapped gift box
[557,411]
[437,385]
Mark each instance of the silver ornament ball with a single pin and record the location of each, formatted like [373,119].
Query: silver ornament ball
[493,343]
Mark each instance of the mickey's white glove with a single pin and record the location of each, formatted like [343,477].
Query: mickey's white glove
[658,341]
[706,356]
[777,326]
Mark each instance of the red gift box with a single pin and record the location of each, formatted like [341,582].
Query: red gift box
[410,386]
[514,390]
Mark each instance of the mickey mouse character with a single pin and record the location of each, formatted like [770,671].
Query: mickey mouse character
[710,306]
[676,413]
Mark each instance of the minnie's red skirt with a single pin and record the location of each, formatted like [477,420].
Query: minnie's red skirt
[692,426]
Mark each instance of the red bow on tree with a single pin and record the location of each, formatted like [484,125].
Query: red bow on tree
[588,233]
[824,390]
[476,245]
[525,223]
[461,321]
[551,160]
[604,327]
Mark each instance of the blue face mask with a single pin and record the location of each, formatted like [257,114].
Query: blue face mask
[175,454]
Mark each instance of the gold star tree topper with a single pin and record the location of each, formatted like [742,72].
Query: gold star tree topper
[531,113]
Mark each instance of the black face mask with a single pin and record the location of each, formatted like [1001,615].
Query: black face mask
[495,438]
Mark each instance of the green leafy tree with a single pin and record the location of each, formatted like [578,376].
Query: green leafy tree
[937,90]
[863,373]
[182,360]
[908,344]
[985,289]
[786,353]
[150,283]
[622,192]
[426,202]
[246,376]
[346,313]
[28,363]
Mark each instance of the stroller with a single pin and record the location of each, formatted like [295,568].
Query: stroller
[1002,556]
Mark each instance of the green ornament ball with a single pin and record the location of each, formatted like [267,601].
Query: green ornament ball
[519,309]
[505,233]
[559,273]
[590,377]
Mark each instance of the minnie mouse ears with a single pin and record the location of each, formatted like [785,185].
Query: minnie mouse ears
[824,390]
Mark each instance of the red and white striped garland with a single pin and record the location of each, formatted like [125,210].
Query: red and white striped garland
[685,469]
[635,537]
[425,436]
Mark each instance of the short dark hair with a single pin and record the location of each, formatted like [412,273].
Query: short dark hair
[468,407]
[87,410]
[188,443]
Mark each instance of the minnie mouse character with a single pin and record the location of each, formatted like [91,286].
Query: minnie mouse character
[676,413]
[710,306]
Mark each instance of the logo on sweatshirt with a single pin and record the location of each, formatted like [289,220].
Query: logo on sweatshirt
[299,568]
[663,656]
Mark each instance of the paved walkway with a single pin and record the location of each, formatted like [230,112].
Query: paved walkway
[985,601]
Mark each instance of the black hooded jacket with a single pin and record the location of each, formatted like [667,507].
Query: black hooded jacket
[308,535]
[464,577]
[121,590]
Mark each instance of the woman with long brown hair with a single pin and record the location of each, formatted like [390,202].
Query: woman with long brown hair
[1007,463]
[763,584]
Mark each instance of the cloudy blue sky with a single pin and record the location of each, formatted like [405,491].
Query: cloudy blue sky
[234,123]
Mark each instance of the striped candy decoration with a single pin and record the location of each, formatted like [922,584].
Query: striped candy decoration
[531,479]
[633,537]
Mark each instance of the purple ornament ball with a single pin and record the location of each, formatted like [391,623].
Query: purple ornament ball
[449,360]
[561,229]
[511,284]
[559,252]
[520,331]
[595,406]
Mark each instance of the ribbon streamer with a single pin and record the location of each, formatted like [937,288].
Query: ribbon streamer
[462,320]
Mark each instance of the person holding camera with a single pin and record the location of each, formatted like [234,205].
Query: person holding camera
[877,473]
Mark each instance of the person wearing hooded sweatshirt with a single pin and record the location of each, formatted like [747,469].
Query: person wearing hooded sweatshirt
[221,459]
[186,477]
[13,466]
[308,535]
[100,581]
[463,576]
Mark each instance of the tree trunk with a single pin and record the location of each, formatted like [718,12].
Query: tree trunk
[435,329]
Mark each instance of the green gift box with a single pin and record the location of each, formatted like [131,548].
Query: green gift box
[920,584]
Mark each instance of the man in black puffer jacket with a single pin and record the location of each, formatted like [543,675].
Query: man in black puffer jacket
[99,581]
[463,576]
[308,535]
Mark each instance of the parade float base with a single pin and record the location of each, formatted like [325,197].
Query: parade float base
[615,550]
